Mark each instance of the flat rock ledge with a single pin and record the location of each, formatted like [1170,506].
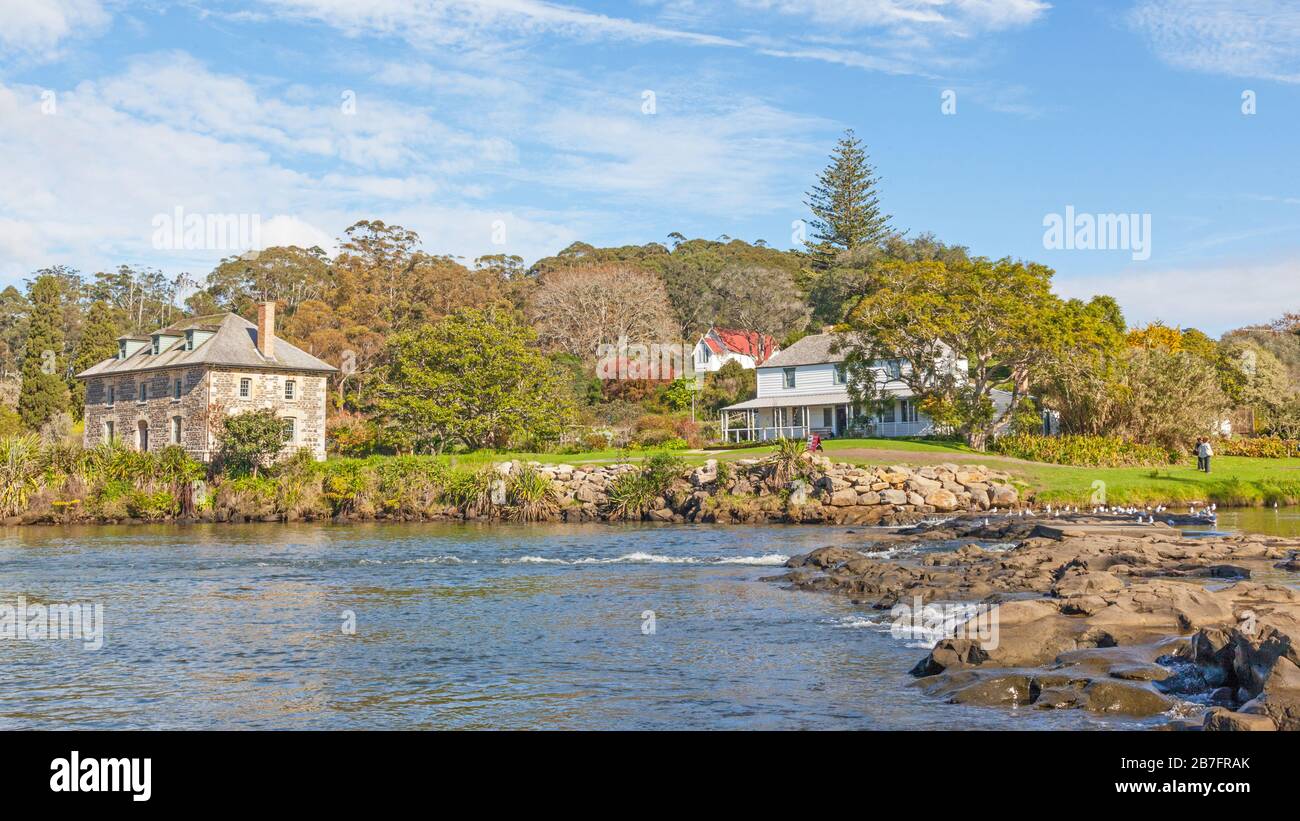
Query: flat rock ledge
[1095,614]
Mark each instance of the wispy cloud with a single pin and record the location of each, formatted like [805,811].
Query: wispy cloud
[1240,38]
[35,29]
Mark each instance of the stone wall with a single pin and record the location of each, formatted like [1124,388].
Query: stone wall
[157,412]
[206,394]
[746,491]
[266,390]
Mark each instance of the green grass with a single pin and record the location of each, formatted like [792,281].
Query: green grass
[1236,481]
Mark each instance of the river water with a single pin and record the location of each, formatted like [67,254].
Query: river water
[464,626]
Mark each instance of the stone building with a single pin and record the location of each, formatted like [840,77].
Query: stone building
[175,385]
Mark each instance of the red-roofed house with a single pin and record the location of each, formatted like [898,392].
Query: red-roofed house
[722,345]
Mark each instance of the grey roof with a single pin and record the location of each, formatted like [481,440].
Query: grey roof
[233,344]
[811,350]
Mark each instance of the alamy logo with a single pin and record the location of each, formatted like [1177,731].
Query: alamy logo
[75,774]
[207,232]
[53,622]
[1098,232]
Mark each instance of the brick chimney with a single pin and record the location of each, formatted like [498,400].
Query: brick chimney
[266,328]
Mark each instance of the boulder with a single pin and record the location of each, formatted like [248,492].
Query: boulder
[1219,719]
[942,500]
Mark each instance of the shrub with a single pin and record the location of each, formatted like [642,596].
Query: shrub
[342,486]
[530,495]
[1262,447]
[470,491]
[20,469]
[152,506]
[633,492]
[1084,451]
[251,440]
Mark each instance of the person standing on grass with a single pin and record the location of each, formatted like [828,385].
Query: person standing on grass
[1200,458]
[1206,453]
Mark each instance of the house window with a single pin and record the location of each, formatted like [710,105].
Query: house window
[112,397]
[886,412]
[290,389]
[108,431]
[909,411]
[142,435]
[826,418]
[189,340]
[157,346]
[893,368]
[144,391]
[245,387]
[839,375]
[177,427]
[788,374]
[290,430]
[176,390]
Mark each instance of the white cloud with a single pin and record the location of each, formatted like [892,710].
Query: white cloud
[1239,38]
[961,16]
[35,28]
[1213,299]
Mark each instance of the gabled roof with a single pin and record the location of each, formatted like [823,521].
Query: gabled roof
[233,344]
[741,342]
[811,350]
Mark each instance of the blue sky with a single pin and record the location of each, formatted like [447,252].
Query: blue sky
[519,126]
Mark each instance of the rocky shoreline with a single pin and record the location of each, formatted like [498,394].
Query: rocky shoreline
[1093,613]
[813,490]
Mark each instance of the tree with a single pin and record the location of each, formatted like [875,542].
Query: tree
[959,330]
[728,385]
[832,292]
[288,274]
[577,309]
[248,441]
[1170,397]
[44,390]
[1081,378]
[14,312]
[98,342]
[474,378]
[762,301]
[845,206]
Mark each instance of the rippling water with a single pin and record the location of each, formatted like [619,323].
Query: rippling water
[458,627]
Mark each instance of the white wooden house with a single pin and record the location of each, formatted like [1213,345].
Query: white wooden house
[804,390]
[722,345]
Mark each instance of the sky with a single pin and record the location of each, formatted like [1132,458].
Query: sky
[521,126]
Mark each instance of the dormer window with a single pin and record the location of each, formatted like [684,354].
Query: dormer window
[788,374]
[121,349]
[157,345]
[189,340]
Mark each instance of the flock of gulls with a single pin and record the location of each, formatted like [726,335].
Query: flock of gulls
[1147,515]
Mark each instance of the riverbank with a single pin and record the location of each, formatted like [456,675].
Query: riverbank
[794,487]
[1091,613]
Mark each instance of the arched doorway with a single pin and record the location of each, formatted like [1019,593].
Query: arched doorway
[142,435]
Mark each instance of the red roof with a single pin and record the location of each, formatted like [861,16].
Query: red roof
[744,342]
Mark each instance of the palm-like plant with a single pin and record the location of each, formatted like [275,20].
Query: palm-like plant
[20,470]
[531,495]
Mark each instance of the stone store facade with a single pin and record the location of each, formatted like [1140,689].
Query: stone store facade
[175,386]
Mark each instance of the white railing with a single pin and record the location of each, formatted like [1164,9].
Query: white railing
[888,430]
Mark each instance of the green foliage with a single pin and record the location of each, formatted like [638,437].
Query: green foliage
[44,391]
[248,441]
[11,424]
[789,461]
[634,491]
[530,495]
[154,506]
[1084,451]
[20,471]
[475,378]
[342,485]
[1261,447]
[470,490]
[845,205]
[994,314]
